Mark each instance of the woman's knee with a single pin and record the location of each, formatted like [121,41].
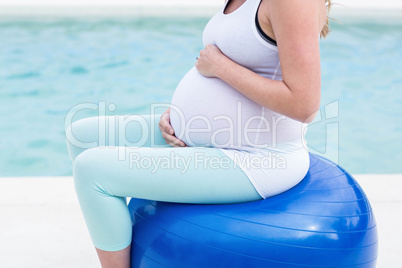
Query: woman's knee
[82,135]
[86,171]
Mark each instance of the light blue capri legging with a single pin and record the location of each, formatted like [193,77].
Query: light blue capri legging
[115,157]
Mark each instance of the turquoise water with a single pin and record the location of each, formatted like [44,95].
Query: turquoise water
[49,66]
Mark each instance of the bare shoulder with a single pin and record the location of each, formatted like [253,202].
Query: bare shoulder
[278,11]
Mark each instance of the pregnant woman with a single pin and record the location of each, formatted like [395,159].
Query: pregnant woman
[234,131]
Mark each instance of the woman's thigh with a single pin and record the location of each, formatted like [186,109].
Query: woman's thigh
[174,174]
[118,130]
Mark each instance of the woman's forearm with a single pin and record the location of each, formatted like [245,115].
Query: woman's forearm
[272,94]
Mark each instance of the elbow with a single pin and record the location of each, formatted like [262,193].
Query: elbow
[309,116]
[305,102]
[307,111]
[308,104]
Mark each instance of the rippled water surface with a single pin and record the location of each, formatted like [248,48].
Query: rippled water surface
[49,66]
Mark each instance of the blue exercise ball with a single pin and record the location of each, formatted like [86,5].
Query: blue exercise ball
[324,221]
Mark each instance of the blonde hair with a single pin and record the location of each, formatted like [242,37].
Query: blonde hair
[325,30]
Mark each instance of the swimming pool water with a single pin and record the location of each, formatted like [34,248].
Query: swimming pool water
[47,66]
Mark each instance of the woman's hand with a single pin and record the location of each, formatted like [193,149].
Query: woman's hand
[168,132]
[210,60]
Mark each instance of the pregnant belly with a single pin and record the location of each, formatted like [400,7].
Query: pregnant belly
[209,112]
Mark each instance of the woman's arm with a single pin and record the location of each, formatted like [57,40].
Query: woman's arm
[296,24]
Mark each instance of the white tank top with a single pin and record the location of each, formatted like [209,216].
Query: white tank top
[209,112]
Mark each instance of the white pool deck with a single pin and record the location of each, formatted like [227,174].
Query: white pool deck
[42,226]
